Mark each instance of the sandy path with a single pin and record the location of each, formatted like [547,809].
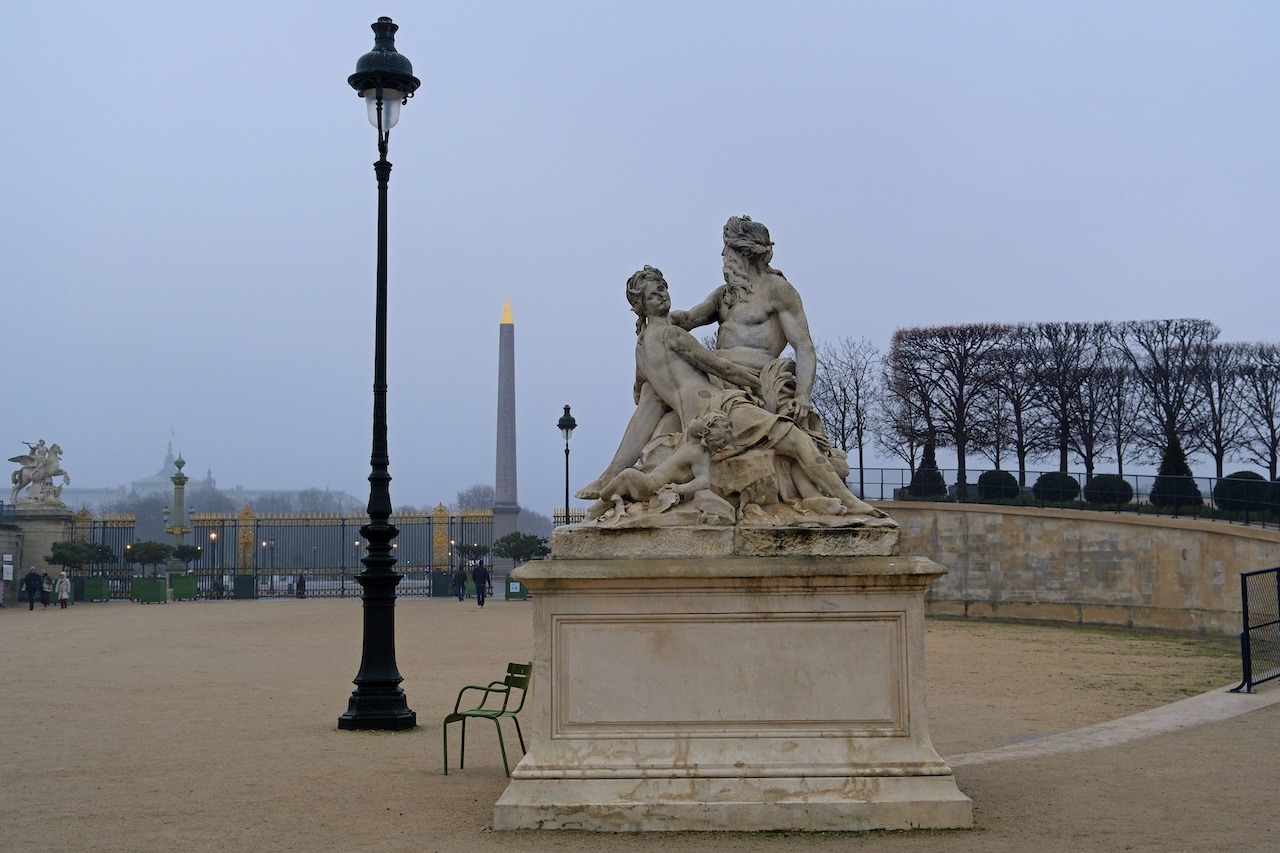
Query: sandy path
[213,725]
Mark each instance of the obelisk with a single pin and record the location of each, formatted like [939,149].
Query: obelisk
[506,507]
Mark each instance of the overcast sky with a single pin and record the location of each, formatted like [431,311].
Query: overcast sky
[189,205]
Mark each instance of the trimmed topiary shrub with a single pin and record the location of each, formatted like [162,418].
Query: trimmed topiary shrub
[1243,491]
[997,486]
[927,480]
[1108,490]
[1056,487]
[1174,486]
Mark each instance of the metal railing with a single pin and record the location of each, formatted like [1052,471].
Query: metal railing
[1263,509]
[1260,616]
[116,584]
[248,556]
[577,515]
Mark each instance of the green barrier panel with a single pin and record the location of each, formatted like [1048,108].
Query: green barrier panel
[245,587]
[184,588]
[95,589]
[516,591]
[149,591]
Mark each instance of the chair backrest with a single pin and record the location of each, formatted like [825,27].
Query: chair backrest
[518,675]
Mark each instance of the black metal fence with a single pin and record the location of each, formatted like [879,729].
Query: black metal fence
[577,515]
[1260,615]
[274,556]
[1260,503]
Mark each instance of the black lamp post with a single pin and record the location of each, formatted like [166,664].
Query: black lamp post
[270,545]
[566,425]
[384,78]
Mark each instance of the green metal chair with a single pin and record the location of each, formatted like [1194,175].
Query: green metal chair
[504,704]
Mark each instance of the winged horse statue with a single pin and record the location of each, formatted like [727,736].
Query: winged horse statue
[39,468]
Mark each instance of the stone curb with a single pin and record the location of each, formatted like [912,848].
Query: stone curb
[1210,707]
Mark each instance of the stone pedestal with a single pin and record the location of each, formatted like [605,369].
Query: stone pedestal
[42,523]
[752,690]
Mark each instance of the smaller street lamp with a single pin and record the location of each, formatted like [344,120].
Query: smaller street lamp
[270,544]
[566,425]
[215,579]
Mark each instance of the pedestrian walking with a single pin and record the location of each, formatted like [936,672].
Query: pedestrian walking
[480,575]
[301,585]
[46,588]
[31,585]
[460,582]
[63,588]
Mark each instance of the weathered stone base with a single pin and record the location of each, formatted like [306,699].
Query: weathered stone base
[859,537]
[742,693]
[42,524]
[735,804]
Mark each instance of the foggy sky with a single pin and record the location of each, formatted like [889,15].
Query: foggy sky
[189,206]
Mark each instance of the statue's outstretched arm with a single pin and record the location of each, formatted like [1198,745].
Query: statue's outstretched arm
[708,362]
[702,314]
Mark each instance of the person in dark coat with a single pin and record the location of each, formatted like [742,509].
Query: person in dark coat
[301,586]
[480,575]
[32,585]
[460,582]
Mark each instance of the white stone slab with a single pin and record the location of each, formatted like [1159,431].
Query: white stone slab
[867,537]
[729,693]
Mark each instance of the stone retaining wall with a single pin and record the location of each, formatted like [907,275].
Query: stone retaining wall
[1097,568]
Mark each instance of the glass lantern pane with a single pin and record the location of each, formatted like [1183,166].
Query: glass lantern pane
[391,99]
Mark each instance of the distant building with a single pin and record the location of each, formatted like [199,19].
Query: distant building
[161,483]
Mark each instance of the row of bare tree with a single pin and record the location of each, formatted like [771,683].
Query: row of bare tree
[1092,392]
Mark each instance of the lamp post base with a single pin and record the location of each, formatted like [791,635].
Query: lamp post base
[370,711]
[378,702]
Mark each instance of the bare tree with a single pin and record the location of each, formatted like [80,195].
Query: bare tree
[1124,398]
[535,523]
[1165,358]
[1061,356]
[317,500]
[955,366]
[1092,424]
[1223,429]
[1014,383]
[274,503]
[1260,377]
[900,422]
[478,496]
[994,427]
[205,498]
[842,394]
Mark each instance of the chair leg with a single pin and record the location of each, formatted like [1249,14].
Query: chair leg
[445,732]
[501,746]
[462,753]
[516,720]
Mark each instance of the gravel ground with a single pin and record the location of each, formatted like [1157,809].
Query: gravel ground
[213,726]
